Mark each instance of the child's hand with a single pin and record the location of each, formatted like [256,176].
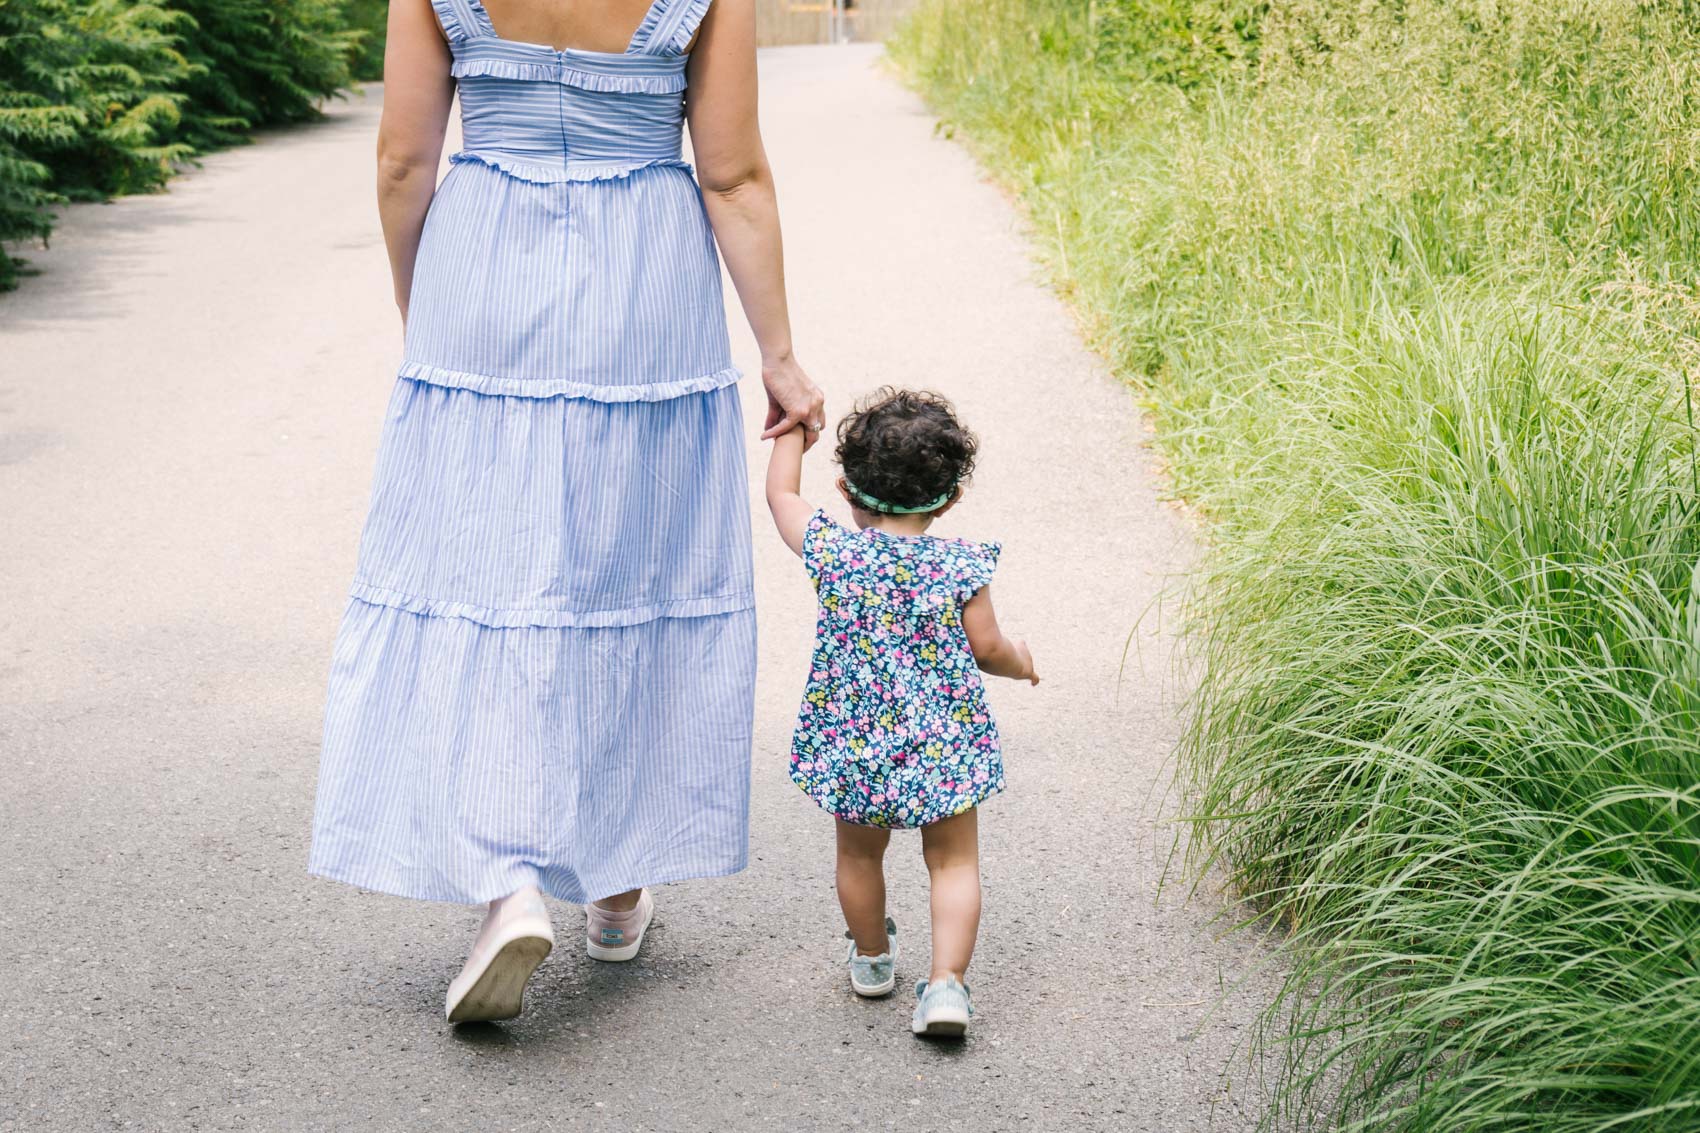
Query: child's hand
[1028,672]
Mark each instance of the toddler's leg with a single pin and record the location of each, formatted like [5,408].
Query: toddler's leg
[952,849]
[861,884]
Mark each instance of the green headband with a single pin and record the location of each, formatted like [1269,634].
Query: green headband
[873,503]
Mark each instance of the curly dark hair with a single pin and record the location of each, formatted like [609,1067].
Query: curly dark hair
[905,447]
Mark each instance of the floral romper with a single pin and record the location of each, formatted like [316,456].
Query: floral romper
[894,729]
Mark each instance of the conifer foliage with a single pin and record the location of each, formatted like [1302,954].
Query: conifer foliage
[261,63]
[103,97]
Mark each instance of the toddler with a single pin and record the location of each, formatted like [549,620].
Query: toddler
[894,731]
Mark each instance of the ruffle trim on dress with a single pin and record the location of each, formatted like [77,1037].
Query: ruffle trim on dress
[640,38]
[981,562]
[690,18]
[448,15]
[548,174]
[555,387]
[563,72]
[496,618]
[677,25]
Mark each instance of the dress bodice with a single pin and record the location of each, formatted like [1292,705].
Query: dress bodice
[568,252]
[545,114]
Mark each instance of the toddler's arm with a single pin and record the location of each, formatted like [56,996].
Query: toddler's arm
[790,510]
[995,653]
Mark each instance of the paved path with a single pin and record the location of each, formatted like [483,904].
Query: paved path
[190,398]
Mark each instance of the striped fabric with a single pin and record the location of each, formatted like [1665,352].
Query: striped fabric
[601,289]
[545,673]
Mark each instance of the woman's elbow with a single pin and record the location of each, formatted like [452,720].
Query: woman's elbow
[399,164]
[733,180]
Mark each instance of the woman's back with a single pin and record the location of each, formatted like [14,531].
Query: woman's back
[604,26]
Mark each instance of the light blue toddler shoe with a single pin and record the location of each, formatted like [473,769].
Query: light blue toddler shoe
[874,976]
[942,1009]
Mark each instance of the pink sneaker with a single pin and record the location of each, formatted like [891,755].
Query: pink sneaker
[515,938]
[614,936]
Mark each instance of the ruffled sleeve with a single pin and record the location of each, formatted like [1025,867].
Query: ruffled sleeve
[822,540]
[972,566]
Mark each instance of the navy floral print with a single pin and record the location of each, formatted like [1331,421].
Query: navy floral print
[894,729]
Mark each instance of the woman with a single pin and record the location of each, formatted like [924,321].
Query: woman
[543,680]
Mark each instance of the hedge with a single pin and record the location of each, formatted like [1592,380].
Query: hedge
[104,97]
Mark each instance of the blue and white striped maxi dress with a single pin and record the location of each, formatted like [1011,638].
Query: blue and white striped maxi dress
[545,671]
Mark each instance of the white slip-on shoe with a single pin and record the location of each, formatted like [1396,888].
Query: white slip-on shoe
[515,938]
[615,936]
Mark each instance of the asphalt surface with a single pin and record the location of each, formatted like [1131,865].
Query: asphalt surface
[190,399]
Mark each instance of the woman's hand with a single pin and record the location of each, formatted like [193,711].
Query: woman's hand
[792,400]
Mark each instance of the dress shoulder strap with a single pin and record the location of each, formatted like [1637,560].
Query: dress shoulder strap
[667,27]
[462,19]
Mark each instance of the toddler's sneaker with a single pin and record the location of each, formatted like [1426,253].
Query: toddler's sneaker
[874,976]
[616,936]
[942,1009]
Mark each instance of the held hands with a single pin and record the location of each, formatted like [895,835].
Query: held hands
[792,401]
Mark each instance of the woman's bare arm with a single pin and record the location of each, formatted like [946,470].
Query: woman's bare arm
[737,187]
[417,95]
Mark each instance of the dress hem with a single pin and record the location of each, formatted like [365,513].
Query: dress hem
[393,887]
[979,800]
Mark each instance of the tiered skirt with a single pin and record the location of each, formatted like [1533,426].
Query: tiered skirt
[545,671]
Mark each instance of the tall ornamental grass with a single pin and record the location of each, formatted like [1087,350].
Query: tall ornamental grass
[1410,290]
